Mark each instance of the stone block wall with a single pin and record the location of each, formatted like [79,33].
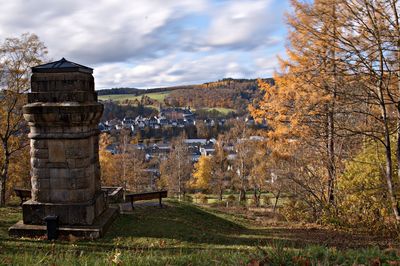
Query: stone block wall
[63,170]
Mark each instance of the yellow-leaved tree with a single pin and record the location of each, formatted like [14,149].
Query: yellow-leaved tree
[362,190]
[202,174]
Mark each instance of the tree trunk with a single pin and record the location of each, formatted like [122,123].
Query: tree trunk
[276,200]
[242,195]
[397,21]
[398,141]
[331,159]
[179,188]
[388,149]
[256,198]
[3,179]
[389,164]
[389,181]
[221,192]
[331,120]
[2,191]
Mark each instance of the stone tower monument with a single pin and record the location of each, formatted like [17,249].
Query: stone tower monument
[63,115]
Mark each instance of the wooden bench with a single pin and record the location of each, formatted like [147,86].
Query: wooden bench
[146,196]
[113,194]
[23,193]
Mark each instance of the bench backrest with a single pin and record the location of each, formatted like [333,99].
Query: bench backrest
[148,195]
[26,193]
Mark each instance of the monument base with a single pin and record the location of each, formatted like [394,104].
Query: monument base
[68,214]
[96,230]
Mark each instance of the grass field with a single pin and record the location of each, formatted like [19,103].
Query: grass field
[222,110]
[187,234]
[265,199]
[159,96]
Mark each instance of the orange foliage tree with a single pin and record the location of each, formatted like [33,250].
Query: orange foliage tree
[17,56]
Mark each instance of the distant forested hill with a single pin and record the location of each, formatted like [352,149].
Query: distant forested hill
[118,91]
[137,92]
[226,93]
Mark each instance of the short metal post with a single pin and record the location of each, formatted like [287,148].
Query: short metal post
[52,227]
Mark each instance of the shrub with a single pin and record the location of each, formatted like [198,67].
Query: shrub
[201,198]
[249,202]
[230,200]
[296,210]
[362,196]
[188,198]
[266,200]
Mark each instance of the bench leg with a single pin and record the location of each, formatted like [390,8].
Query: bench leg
[23,199]
[132,205]
[160,201]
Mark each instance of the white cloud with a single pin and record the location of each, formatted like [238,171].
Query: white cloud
[100,31]
[245,24]
[181,69]
[148,43]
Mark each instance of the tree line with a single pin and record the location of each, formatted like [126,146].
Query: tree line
[227,93]
[180,175]
[334,112]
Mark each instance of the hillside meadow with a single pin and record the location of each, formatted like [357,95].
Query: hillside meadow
[189,234]
[158,96]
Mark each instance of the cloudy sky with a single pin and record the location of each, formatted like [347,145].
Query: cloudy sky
[153,43]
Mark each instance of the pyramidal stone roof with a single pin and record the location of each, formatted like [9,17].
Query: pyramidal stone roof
[62,65]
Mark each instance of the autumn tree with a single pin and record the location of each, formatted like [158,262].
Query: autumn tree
[302,107]
[242,167]
[259,172]
[211,172]
[338,86]
[124,168]
[372,51]
[122,154]
[19,171]
[202,130]
[177,168]
[17,56]
[110,173]
[136,178]
[367,44]
[221,177]
[131,163]
[202,173]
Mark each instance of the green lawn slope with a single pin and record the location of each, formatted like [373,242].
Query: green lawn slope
[187,234]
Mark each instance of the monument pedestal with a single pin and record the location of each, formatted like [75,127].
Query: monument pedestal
[68,213]
[96,230]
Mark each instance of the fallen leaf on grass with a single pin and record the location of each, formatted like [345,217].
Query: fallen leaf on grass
[375,262]
[72,238]
[302,261]
[255,262]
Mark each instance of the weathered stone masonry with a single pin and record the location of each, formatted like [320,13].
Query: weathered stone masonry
[63,115]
